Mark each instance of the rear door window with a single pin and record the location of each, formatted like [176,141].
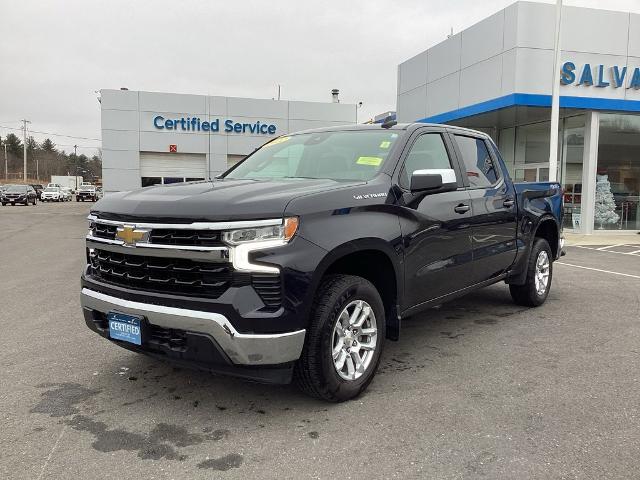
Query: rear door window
[477,163]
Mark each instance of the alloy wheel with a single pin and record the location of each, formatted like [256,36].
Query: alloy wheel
[541,278]
[354,340]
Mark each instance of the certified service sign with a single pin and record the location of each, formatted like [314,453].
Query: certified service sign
[195,124]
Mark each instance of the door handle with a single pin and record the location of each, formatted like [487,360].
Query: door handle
[462,208]
[508,203]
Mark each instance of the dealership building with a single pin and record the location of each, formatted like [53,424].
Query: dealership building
[152,138]
[497,76]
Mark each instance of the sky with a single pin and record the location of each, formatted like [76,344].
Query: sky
[55,54]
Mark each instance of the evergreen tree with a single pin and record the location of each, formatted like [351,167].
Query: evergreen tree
[14,145]
[605,211]
[48,146]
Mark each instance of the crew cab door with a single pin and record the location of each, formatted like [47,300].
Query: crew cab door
[494,207]
[435,227]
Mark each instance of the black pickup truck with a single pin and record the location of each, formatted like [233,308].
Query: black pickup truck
[298,262]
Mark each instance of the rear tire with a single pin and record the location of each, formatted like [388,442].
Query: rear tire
[536,289]
[347,316]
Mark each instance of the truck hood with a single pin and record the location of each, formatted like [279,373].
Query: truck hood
[216,200]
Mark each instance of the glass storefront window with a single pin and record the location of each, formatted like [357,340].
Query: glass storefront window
[149,181]
[571,169]
[532,143]
[617,196]
[506,144]
[527,151]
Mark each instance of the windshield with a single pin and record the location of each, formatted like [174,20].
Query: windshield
[51,189]
[341,155]
[16,189]
[87,189]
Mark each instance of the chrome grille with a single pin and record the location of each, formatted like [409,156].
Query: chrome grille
[102,230]
[200,238]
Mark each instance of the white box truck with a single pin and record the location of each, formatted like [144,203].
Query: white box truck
[68,181]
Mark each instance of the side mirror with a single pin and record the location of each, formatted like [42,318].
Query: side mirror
[434,180]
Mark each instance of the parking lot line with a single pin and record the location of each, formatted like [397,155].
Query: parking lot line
[53,449]
[601,249]
[610,246]
[599,270]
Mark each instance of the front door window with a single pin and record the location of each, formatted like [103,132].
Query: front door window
[617,195]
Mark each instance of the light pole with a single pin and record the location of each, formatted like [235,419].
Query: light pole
[555,99]
[75,159]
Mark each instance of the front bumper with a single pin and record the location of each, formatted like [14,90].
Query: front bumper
[224,349]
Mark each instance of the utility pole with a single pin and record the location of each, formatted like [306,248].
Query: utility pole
[24,148]
[6,164]
[555,99]
[75,159]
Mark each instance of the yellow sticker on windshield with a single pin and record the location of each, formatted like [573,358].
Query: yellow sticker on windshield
[373,161]
[385,144]
[277,141]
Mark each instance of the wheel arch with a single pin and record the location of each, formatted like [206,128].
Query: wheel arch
[374,260]
[548,229]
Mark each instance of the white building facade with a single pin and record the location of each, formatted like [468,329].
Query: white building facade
[497,76]
[152,138]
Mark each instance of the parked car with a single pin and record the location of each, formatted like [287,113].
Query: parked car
[67,194]
[87,192]
[38,188]
[24,194]
[52,194]
[299,261]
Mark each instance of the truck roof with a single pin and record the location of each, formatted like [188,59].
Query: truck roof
[397,126]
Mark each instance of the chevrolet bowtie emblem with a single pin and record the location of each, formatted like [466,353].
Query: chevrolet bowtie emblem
[130,235]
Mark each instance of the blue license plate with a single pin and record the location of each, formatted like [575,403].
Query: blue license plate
[125,327]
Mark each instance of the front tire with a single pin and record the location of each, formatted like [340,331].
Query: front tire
[536,289]
[344,339]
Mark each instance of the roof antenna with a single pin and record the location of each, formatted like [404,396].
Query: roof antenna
[451,34]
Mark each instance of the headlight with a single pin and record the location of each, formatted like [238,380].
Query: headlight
[246,240]
[284,232]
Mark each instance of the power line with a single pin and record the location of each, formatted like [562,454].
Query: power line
[53,134]
[79,146]
[68,136]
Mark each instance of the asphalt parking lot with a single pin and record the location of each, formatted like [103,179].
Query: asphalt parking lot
[479,388]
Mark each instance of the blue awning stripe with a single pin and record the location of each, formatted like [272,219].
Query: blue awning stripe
[535,100]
